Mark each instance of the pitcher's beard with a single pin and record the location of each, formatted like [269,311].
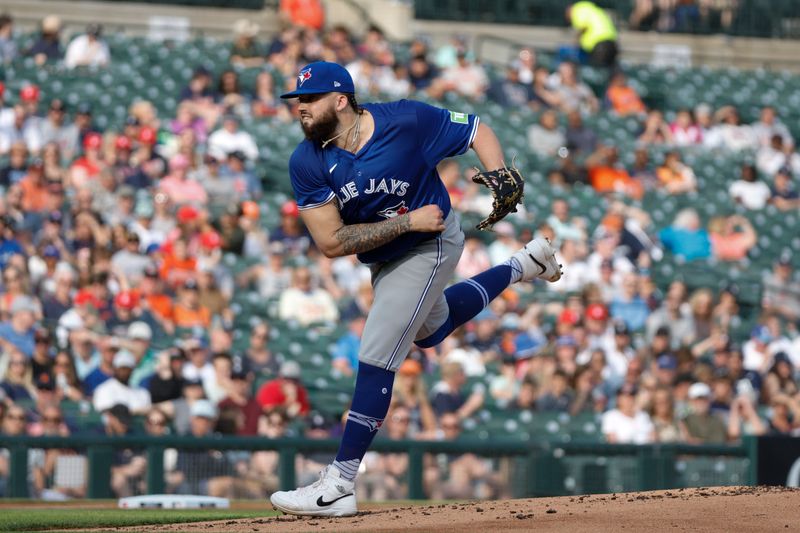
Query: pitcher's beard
[323,128]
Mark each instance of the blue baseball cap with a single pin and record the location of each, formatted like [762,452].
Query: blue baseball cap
[322,77]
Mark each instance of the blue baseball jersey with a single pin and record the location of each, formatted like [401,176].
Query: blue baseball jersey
[395,172]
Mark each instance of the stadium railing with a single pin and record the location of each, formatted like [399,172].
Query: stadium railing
[538,467]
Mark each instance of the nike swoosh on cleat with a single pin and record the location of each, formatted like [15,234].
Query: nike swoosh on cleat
[323,503]
[539,264]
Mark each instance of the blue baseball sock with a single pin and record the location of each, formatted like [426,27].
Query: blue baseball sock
[469,297]
[370,404]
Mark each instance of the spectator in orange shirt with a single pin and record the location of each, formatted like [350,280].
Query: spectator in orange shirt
[305,13]
[188,312]
[159,303]
[623,98]
[178,265]
[607,176]
[674,176]
[35,193]
[731,237]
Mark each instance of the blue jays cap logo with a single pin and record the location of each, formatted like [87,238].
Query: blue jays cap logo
[303,76]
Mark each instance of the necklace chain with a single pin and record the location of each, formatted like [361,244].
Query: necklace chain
[356,126]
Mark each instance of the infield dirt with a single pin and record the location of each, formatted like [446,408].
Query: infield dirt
[729,509]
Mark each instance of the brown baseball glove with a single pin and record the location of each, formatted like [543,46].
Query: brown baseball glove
[507,186]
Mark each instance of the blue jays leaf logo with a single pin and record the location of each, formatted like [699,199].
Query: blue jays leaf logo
[303,76]
[395,210]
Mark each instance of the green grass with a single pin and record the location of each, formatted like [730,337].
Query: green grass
[34,519]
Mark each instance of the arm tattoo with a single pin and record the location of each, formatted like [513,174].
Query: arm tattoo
[358,238]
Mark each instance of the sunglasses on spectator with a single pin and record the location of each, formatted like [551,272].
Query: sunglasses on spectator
[16,417]
[53,419]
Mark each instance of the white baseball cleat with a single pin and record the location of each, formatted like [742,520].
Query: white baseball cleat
[538,260]
[330,495]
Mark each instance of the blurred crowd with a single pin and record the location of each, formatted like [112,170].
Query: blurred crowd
[117,297]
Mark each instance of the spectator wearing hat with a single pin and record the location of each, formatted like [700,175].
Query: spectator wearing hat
[117,389]
[202,471]
[188,311]
[291,232]
[126,310]
[756,351]
[229,138]
[56,129]
[47,47]
[107,347]
[130,261]
[238,176]
[138,341]
[701,426]
[626,423]
[142,225]
[198,366]
[18,331]
[666,369]
[285,392]
[781,294]
[89,166]
[17,384]
[88,49]
[599,333]
[618,353]
[179,187]
[155,299]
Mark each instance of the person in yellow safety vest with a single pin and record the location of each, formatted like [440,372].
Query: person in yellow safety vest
[598,36]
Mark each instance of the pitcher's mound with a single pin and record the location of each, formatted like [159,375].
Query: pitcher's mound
[704,509]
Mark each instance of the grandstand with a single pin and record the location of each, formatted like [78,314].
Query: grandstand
[158,71]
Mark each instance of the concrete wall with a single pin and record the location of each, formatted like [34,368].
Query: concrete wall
[499,42]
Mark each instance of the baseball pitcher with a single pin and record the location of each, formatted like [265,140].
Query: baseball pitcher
[366,183]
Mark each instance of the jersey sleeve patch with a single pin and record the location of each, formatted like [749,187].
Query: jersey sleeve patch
[459,118]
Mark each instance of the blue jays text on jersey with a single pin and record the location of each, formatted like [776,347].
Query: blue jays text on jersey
[395,172]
